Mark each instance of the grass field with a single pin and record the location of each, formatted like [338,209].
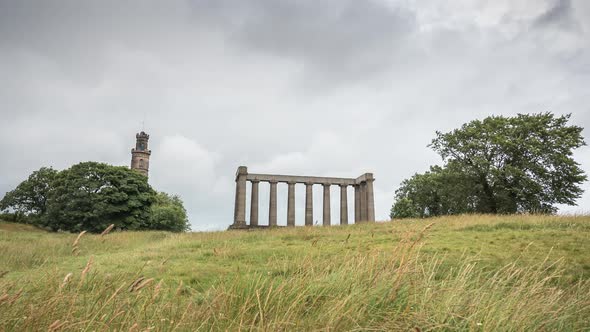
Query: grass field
[480,273]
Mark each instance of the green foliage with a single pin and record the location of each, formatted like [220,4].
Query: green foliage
[404,208]
[30,196]
[168,214]
[90,196]
[440,191]
[499,165]
[16,217]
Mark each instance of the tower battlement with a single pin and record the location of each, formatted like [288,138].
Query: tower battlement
[140,155]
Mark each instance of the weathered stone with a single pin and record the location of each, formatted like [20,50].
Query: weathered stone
[240,212]
[343,205]
[291,205]
[370,199]
[357,204]
[254,204]
[272,213]
[309,204]
[326,220]
[364,209]
[140,155]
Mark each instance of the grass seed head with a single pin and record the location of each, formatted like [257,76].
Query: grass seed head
[76,242]
[135,283]
[143,284]
[107,230]
[67,279]
[88,266]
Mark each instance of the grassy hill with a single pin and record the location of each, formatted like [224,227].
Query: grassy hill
[481,273]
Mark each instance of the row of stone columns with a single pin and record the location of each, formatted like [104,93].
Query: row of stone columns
[363,201]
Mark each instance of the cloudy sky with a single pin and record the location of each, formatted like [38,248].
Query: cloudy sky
[318,87]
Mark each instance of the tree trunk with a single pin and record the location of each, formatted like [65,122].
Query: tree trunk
[491,206]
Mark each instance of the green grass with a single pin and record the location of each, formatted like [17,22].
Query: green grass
[480,273]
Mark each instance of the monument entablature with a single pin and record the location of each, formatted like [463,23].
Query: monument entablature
[364,206]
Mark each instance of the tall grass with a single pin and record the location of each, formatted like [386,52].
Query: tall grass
[394,286]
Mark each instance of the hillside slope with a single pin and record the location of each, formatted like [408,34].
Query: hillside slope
[467,272]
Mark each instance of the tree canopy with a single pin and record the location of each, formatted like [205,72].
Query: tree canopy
[90,196]
[498,165]
[30,196]
[168,214]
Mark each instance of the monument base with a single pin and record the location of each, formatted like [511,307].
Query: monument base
[247,227]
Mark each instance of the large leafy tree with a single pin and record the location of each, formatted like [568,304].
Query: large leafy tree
[439,191]
[90,196]
[30,196]
[168,214]
[503,165]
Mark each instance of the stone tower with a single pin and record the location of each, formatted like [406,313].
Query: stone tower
[140,155]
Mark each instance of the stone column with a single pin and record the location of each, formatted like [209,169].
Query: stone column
[236,205]
[254,204]
[291,205]
[357,203]
[343,205]
[240,205]
[326,216]
[370,198]
[272,207]
[308,204]
[363,190]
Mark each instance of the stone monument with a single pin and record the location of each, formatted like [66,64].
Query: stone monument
[364,205]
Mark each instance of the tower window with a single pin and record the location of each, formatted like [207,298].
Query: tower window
[141,163]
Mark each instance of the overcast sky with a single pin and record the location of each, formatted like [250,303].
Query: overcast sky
[318,87]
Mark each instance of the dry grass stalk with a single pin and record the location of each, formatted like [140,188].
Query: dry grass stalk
[142,285]
[76,242]
[88,266]
[5,298]
[3,273]
[179,288]
[115,293]
[107,230]
[116,315]
[421,235]
[157,289]
[56,325]
[135,283]
[66,280]
[188,307]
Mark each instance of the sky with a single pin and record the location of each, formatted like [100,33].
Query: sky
[306,87]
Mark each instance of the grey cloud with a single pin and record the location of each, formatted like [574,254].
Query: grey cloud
[560,14]
[313,87]
[349,39]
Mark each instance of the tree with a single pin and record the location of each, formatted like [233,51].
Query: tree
[30,196]
[90,196]
[501,165]
[439,191]
[404,208]
[168,214]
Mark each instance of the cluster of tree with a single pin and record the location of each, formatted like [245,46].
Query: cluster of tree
[90,196]
[520,164]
